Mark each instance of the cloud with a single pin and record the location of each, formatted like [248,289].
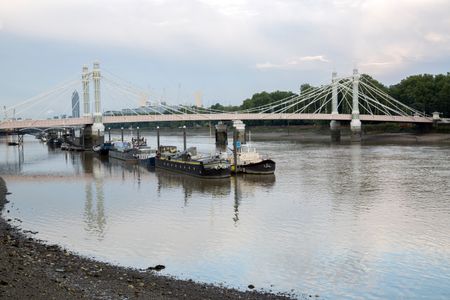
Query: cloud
[435,37]
[381,34]
[293,63]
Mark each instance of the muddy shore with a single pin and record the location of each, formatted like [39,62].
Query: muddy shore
[315,134]
[30,269]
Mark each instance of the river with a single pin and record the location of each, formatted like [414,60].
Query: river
[339,221]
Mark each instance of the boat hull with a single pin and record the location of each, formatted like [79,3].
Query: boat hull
[148,162]
[263,167]
[125,156]
[192,168]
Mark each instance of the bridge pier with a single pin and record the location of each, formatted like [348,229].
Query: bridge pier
[86,137]
[436,119]
[221,134]
[239,127]
[335,128]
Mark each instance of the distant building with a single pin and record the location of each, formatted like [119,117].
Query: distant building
[75,105]
[198,99]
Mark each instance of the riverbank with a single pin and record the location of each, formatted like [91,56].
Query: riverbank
[319,135]
[30,269]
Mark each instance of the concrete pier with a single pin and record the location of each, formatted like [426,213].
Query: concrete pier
[239,128]
[221,134]
[335,128]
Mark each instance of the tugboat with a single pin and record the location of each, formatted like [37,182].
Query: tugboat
[188,162]
[251,162]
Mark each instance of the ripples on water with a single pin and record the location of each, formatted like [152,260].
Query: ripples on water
[341,221]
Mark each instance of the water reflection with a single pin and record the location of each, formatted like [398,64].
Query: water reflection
[13,160]
[191,185]
[95,219]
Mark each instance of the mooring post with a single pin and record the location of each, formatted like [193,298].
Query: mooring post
[157,138]
[137,129]
[184,138]
[235,141]
[109,134]
[82,136]
[121,133]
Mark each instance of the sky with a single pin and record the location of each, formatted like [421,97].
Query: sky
[227,50]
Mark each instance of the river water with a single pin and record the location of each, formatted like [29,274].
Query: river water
[339,221]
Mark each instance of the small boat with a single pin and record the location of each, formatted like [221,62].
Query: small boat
[251,162]
[65,146]
[103,149]
[71,147]
[55,142]
[189,163]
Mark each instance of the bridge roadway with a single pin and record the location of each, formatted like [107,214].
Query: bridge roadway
[19,124]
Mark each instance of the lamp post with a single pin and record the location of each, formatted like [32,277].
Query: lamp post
[157,138]
[184,137]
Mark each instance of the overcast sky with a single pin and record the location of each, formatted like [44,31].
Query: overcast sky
[227,49]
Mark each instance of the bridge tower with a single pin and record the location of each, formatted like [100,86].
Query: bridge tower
[85,81]
[335,126]
[98,129]
[355,124]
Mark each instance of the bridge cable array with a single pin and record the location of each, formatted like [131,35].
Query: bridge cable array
[373,100]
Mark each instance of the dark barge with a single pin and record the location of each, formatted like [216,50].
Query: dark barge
[187,162]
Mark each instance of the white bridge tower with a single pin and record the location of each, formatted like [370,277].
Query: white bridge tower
[98,129]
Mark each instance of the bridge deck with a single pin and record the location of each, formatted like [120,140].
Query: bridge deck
[19,124]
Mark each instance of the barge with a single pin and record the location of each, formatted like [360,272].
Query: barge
[189,163]
[126,152]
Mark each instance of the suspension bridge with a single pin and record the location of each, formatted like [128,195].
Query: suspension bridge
[353,99]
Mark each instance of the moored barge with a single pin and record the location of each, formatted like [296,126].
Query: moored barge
[126,152]
[189,163]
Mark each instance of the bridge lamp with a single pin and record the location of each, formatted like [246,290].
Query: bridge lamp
[184,137]
[157,138]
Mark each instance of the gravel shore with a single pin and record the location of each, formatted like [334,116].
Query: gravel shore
[30,269]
